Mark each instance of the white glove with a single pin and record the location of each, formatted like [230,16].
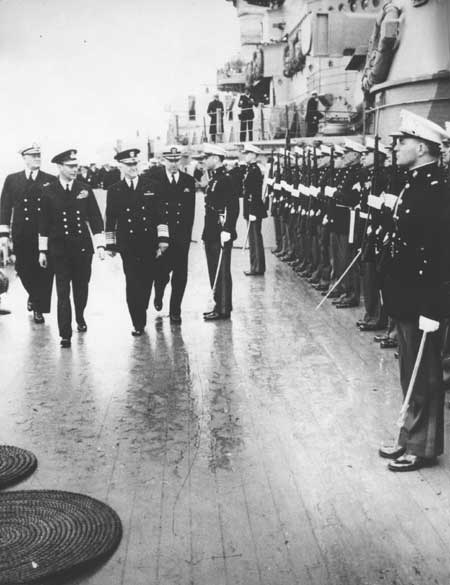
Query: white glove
[111,253]
[4,242]
[42,260]
[330,191]
[428,325]
[101,253]
[162,247]
[251,217]
[224,238]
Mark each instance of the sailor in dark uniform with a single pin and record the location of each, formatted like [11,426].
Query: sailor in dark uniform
[137,229]
[19,208]
[69,208]
[374,182]
[416,273]
[177,192]
[221,213]
[347,197]
[254,209]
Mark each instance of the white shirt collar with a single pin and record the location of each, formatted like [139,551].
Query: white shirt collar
[64,183]
[29,173]
[175,175]
[134,181]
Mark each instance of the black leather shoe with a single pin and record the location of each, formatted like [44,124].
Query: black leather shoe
[65,343]
[175,319]
[347,305]
[137,332]
[250,273]
[322,287]
[389,344]
[158,304]
[337,300]
[391,451]
[370,327]
[215,316]
[38,317]
[380,338]
[29,305]
[82,326]
[5,312]
[410,463]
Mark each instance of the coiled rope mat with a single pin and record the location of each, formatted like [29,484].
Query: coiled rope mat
[15,464]
[44,534]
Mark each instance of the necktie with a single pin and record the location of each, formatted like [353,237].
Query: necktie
[67,188]
[131,186]
[173,179]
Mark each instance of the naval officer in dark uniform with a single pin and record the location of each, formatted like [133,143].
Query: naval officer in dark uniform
[177,192]
[20,204]
[254,209]
[68,208]
[219,232]
[416,274]
[136,227]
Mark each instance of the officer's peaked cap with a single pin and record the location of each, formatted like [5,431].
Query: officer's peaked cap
[416,126]
[252,148]
[353,146]
[33,149]
[213,149]
[172,153]
[65,157]
[370,145]
[130,155]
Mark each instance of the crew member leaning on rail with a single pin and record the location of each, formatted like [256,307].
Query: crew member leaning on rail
[415,277]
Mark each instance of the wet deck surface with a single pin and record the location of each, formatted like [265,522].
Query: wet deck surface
[236,453]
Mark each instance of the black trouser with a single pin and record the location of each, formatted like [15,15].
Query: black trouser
[37,281]
[223,293]
[372,296]
[75,269]
[352,280]
[139,274]
[278,233]
[423,431]
[246,126]
[324,246]
[256,247]
[175,261]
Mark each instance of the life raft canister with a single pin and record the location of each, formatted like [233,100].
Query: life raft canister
[382,46]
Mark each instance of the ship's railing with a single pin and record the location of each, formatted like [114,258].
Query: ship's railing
[269,123]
